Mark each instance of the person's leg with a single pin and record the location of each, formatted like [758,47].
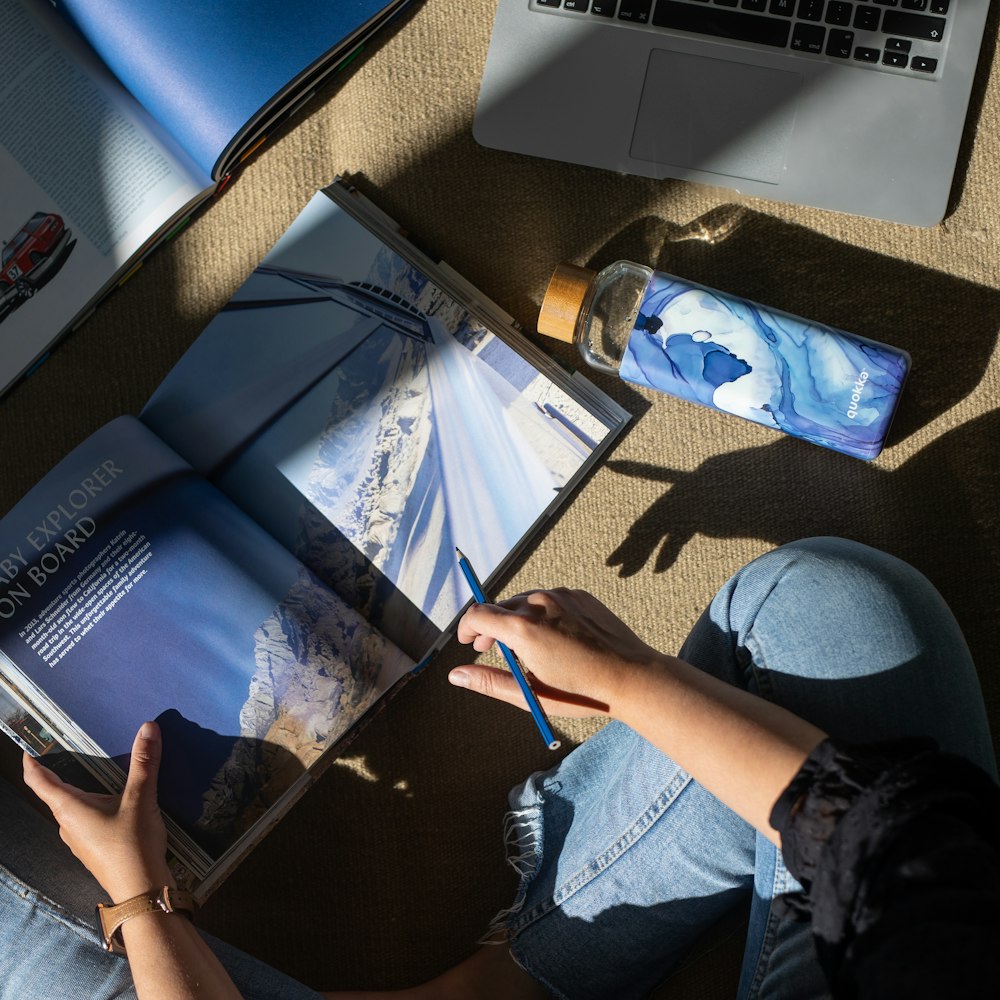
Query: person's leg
[626,861]
[49,945]
[860,644]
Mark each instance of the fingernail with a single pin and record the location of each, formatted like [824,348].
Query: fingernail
[460,678]
[148,730]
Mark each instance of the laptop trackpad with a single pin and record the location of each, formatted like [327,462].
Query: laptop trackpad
[710,114]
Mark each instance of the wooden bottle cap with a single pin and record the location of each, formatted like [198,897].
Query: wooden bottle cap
[563,301]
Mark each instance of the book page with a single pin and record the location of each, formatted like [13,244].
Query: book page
[132,589]
[372,424]
[204,70]
[88,180]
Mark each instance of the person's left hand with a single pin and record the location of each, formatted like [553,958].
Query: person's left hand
[121,839]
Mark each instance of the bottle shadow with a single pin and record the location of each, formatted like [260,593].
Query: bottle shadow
[947,324]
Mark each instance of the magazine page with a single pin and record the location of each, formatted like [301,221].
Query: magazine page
[132,589]
[205,70]
[372,424]
[89,181]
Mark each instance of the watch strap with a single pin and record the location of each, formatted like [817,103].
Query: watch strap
[161,899]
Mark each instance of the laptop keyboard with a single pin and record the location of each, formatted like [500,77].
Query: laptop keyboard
[899,36]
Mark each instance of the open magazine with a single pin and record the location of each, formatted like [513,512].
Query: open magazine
[120,118]
[269,549]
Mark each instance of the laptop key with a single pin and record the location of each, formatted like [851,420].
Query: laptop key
[758,5]
[913,4]
[923,64]
[721,23]
[840,43]
[898,22]
[897,59]
[898,45]
[577,5]
[864,54]
[838,12]
[866,18]
[939,6]
[810,10]
[783,7]
[603,9]
[548,3]
[808,38]
[635,10]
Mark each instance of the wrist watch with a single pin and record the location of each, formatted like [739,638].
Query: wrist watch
[160,899]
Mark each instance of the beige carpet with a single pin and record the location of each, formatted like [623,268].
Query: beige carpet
[392,865]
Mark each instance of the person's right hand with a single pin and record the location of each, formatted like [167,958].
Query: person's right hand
[581,659]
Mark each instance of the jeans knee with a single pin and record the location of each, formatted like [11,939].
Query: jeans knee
[831,593]
[828,563]
[859,642]
[824,550]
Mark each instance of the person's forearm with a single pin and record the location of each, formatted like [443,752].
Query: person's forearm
[170,961]
[743,749]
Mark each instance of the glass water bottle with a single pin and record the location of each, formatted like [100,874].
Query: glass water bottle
[812,381]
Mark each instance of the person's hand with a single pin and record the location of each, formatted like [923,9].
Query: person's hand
[582,660]
[121,839]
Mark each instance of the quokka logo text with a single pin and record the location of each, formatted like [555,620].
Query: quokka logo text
[852,406]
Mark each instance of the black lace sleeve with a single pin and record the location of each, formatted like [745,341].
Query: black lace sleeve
[897,847]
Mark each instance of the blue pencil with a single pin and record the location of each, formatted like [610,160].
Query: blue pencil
[537,712]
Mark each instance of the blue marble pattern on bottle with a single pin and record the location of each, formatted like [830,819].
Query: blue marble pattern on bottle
[833,388]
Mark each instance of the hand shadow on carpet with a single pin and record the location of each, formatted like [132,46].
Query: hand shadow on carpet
[937,511]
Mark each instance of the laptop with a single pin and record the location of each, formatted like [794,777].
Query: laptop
[855,106]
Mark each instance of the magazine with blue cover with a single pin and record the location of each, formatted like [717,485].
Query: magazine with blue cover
[218,75]
[122,119]
[268,549]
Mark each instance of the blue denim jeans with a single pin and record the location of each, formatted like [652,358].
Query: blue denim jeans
[626,861]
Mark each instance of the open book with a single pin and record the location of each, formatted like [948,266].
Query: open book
[269,549]
[120,118]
